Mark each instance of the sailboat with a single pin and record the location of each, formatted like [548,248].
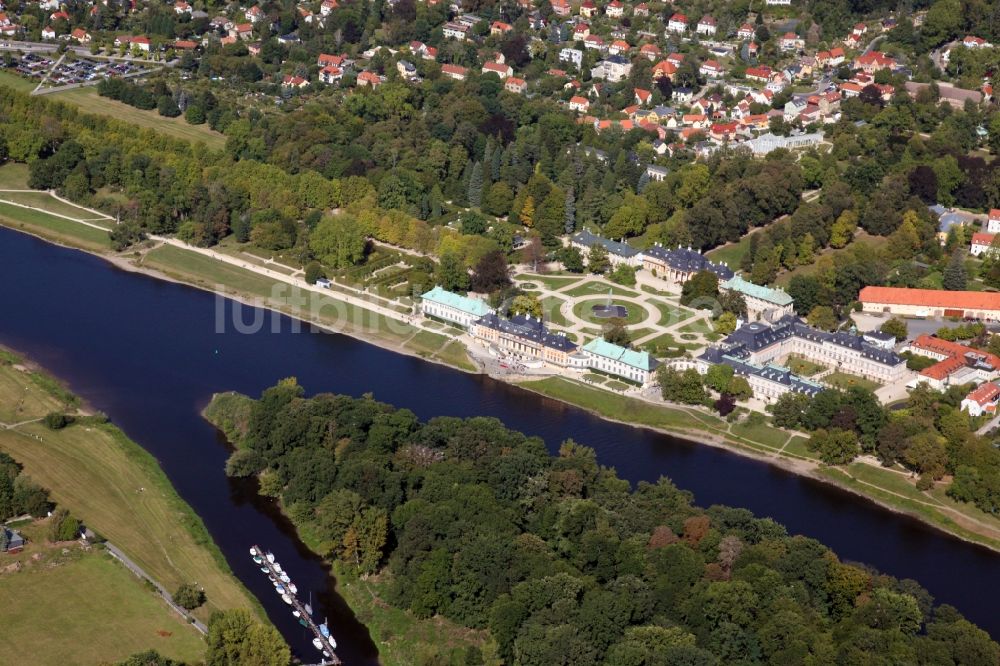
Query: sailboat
[309,606]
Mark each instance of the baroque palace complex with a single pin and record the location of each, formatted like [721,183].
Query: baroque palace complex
[766,344]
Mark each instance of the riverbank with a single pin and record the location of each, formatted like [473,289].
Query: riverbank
[113,485]
[762,442]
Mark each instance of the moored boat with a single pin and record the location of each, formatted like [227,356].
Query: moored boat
[287,599]
[258,560]
[270,558]
[264,569]
[253,551]
[292,588]
[279,589]
[318,643]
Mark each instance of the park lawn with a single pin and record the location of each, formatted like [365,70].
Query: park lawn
[629,410]
[804,367]
[700,327]
[53,228]
[210,272]
[17,82]
[771,437]
[88,609]
[599,289]
[96,472]
[550,311]
[14,176]
[48,203]
[617,385]
[88,101]
[665,341]
[553,282]
[403,639]
[595,378]
[582,309]
[455,354]
[887,479]
[798,446]
[843,380]
[671,314]
[426,343]
[731,253]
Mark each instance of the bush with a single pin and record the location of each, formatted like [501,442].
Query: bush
[189,597]
[314,271]
[56,420]
[63,526]
[243,463]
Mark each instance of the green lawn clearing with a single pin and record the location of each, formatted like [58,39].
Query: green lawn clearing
[89,101]
[14,176]
[53,228]
[843,380]
[803,367]
[85,608]
[599,288]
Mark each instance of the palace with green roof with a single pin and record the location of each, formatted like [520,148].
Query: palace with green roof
[762,302]
[453,308]
[635,366]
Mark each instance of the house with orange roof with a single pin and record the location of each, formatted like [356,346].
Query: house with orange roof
[81,35]
[706,26]
[454,72]
[746,31]
[500,69]
[615,9]
[289,81]
[369,79]
[981,244]
[664,68]
[641,9]
[642,96]
[331,74]
[579,104]
[956,364]
[500,28]
[516,85]
[982,400]
[561,8]
[874,61]
[761,74]
[618,47]
[711,69]
[650,52]
[678,23]
[588,8]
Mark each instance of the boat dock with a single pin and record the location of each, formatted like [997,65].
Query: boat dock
[275,573]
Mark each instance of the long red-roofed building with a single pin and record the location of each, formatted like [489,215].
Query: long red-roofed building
[931,302]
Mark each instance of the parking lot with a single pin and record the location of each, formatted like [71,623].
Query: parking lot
[73,72]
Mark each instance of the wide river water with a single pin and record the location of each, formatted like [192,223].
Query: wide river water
[147,353]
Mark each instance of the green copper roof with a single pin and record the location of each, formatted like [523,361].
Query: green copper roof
[472,306]
[635,359]
[776,296]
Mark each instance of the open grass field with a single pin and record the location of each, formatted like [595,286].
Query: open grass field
[550,311]
[13,176]
[117,489]
[16,82]
[551,281]
[454,354]
[86,608]
[731,253]
[89,101]
[53,228]
[671,314]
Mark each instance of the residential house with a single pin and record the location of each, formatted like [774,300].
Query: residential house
[981,244]
[580,32]
[516,85]
[500,69]
[664,68]
[642,9]
[254,14]
[711,69]
[678,23]
[574,56]
[11,541]
[993,221]
[657,173]
[612,68]
[327,6]
[761,74]
[642,97]
[579,104]
[561,8]
[956,364]
[588,8]
[454,72]
[619,47]
[791,42]
[971,42]
[406,69]
[369,79]
[706,26]
[289,81]
[650,52]
[982,400]
[80,35]
[331,74]
[593,42]
[500,28]
[745,32]
[616,9]
[874,61]
[182,7]
[455,30]
[48,32]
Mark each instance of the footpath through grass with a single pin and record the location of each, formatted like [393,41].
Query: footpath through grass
[54,228]
[85,608]
[117,489]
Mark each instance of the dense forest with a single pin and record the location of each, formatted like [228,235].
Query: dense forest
[562,561]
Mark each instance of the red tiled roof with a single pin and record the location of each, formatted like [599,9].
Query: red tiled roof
[982,238]
[985,393]
[955,352]
[964,300]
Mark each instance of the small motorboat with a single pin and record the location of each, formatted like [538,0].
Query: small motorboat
[279,589]
[292,588]
[253,551]
[258,560]
[270,558]
[284,578]
[287,599]
[323,629]
[303,622]
[264,569]
[296,613]
[318,643]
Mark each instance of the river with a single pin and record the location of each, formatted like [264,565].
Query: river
[147,353]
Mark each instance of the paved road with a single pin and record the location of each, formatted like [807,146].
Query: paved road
[138,571]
